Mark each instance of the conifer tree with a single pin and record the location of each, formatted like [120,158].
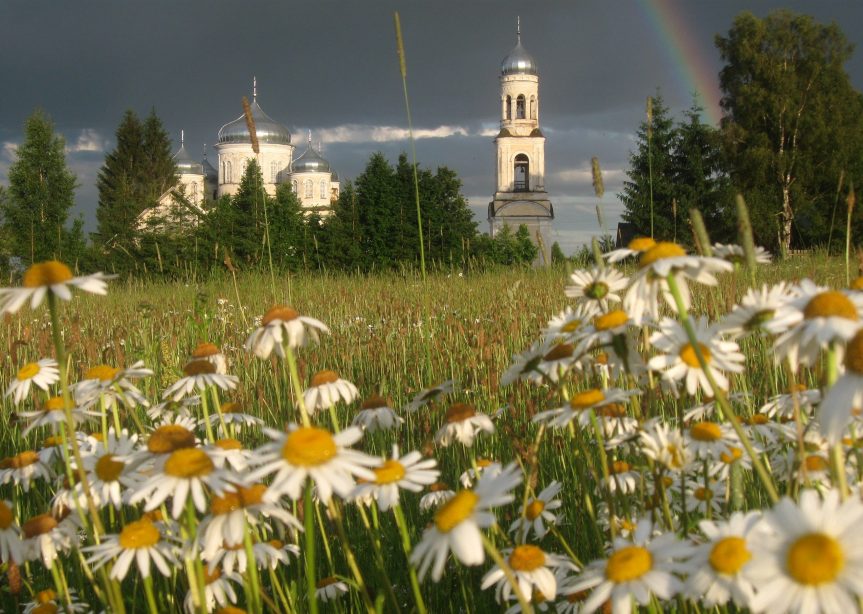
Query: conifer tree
[651,165]
[40,194]
[158,173]
[285,216]
[246,216]
[120,195]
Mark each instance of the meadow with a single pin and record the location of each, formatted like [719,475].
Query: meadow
[571,457]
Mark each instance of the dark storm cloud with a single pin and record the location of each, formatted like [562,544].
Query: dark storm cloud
[332,67]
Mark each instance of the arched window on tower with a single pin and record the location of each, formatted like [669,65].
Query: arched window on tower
[522,173]
[273,171]
[519,107]
[228,172]
[294,186]
[222,177]
[509,107]
[533,107]
[323,189]
[194,193]
[310,189]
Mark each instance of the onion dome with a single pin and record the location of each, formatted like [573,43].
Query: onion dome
[186,165]
[518,61]
[310,162]
[267,129]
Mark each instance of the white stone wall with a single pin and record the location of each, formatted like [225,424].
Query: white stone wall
[321,189]
[274,160]
[508,147]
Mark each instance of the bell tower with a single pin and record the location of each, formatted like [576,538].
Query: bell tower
[520,196]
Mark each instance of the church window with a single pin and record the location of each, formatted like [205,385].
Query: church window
[519,107]
[294,186]
[509,107]
[228,172]
[194,191]
[310,189]
[323,189]
[533,107]
[522,173]
[273,171]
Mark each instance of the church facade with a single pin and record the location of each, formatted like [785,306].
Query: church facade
[310,175]
[520,196]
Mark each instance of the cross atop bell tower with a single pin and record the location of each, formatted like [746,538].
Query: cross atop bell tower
[520,196]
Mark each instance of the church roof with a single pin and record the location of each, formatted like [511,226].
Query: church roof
[186,165]
[267,129]
[210,172]
[518,61]
[310,162]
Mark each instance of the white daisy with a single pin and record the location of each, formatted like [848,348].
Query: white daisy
[679,361]
[46,536]
[48,602]
[233,416]
[846,395]
[438,494]
[51,276]
[665,445]
[199,375]
[781,406]
[312,453]
[634,570]
[580,405]
[43,374]
[376,415]
[635,247]
[410,472]
[621,478]
[107,471]
[735,254]
[283,326]
[218,591]
[568,324]
[809,559]
[210,352]
[230,453]
[525,365]
[533,569]
[140,541]
[757,308]
[469,476]
[708,439]
[267,555]
[457,523]
[538,512]
[603,328]
[717,567]
[51,414]
[463,424]
[184,472]
[598,286]
[556,363]
[327,389]
[24,468]
[11,550]
[329,588]
[430,394]
[109,385]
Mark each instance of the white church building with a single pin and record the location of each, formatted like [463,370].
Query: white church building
[520,196]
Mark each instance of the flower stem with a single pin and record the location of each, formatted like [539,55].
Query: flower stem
[406,546]
[308,519]
[252,571]
[721,400]
[295,382]
[151,599]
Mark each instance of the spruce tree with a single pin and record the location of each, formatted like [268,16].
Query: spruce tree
[381,214]
[651,166]
[158,173]
[286,221]
[41,192]
[120,194]
[246,216]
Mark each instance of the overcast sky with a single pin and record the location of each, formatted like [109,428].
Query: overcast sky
[331,67]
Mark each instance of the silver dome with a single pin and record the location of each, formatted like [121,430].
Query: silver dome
[518,62]
[186,165]
[267,129]
[310,162]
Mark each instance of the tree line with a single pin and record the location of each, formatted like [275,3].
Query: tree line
[790,141]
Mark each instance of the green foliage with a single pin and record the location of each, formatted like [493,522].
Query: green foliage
[792,122]
[41,192]
[506,248]
[557,255]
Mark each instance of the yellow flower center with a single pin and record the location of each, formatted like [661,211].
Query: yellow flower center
[204,350]
[229,443]
[830,304]
[53,404]
[46,274]
[620,466]
[38,525]
[108,469]
[526,558]
[459,412]
[610,320]
[482,463]
[814,559]
[45,596]
[28,371]
[705,431]
[731,455]
[759,420]
[439,486]
[231,407]
[534,509]
[374,402]
[687,355]
[309,446]
[6,516]
[279,312]
[729,555]
[139,534]
[169,438]
[199,367]
[661,250]
[628,563]
[814,462]
[613,410]
[326,581]
[24,459]
[455,511]
[559,352]
[229,609]
[326,376]
[189,463]
[857,284]
[103,373]
[641,244]
[45,608]
[571,326]
[232,501]
[390,472]
[588,398]
[597,290]
[703,494]
[854,354]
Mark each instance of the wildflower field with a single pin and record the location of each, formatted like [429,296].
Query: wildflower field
[662,430]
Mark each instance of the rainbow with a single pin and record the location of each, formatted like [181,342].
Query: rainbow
[692,71]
